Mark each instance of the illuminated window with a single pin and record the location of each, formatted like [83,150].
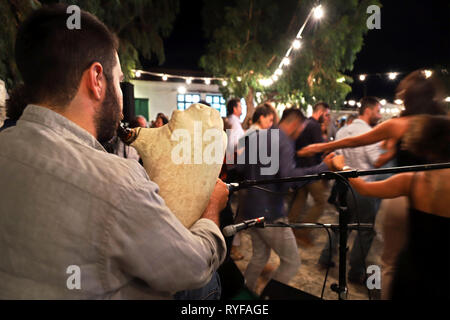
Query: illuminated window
[217,102]
[185,100]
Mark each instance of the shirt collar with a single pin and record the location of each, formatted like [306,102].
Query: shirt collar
[361,122]
[60,124]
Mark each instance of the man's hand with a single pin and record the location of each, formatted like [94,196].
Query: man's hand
[217,202]
[338,162]
[334,162]
[328,160]
[311,150]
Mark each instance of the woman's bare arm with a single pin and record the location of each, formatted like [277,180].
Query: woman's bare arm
[390,129]
[396,186]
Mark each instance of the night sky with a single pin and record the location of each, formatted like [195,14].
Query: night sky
[413,34]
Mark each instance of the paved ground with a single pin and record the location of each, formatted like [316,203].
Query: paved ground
[309,277]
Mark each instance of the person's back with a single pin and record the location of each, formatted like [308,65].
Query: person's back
[81,219]
[425,260]
[67,224]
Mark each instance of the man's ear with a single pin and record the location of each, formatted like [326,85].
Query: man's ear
[95,81]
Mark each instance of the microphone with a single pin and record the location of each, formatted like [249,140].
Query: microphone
[231,230]
[233,186]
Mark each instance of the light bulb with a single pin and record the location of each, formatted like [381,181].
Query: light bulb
[392,75]
[318,12]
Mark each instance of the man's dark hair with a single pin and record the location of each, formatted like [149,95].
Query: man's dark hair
[52,58]
[320,105]
[205,103]
[262,110]
[292,114]
[231,104]
[367,102]
[351,117]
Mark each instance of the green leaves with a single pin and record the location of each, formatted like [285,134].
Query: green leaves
[139,24]
[252,36]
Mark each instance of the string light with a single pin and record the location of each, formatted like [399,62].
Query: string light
[181,90]
[392,75]
[447,99]
[427,73]
[383,102]
[318,12]
[296,44]
[362,77]
[398,101]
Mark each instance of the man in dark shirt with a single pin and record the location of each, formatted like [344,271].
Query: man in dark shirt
[257,203]
[311,134]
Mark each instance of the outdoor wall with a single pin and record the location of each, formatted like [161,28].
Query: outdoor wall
[2,102]
[162,95]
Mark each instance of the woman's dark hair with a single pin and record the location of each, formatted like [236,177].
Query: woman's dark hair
[429,136]
[52,58]
[421,94]
[163,118]
[262,110]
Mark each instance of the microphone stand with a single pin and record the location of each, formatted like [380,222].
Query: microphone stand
[341,204]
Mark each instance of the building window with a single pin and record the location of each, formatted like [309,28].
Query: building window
[217,102]
[185,100]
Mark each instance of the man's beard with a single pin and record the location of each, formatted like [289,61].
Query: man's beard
[373,122]
[107,119]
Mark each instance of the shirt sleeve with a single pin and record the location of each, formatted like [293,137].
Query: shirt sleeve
[288,165]
[373,152]
[148,242]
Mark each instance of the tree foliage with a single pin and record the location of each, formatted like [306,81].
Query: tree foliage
[250,38]
[139,24]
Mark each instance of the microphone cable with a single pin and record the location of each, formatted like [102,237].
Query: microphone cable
[356,210]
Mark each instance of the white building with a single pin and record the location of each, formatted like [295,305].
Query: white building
[153,97]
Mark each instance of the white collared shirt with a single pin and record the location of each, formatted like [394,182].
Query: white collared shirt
[361,158]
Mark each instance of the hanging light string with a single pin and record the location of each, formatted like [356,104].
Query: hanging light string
[188,79]
[296,44]
[317,12]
